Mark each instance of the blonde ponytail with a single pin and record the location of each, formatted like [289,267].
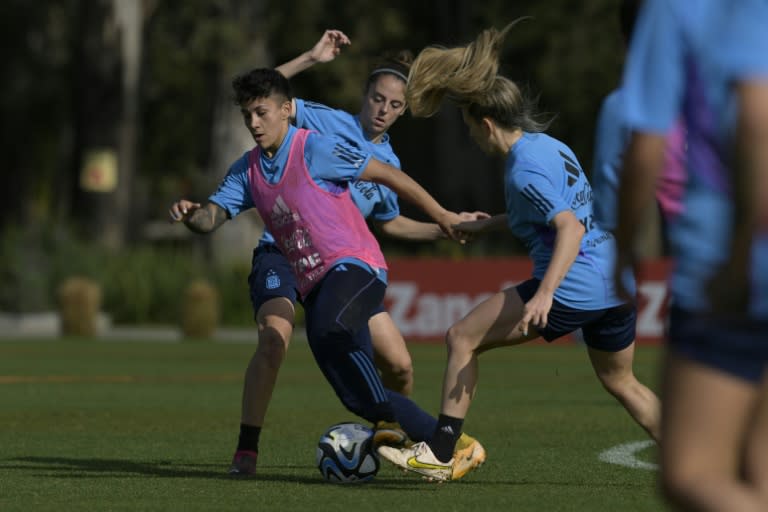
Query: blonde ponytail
[462,73]
[468,76]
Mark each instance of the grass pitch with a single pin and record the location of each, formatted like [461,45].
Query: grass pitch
[96,425]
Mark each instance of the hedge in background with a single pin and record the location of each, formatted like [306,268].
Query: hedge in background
[143,285]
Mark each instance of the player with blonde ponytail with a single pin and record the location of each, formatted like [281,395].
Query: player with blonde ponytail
[549,207]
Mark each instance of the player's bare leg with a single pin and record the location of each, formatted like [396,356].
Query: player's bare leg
[391,354]
[705,421]
[275,323]
[614,369]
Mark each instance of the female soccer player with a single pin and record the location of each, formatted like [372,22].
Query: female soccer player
[708,61]
[549,206]
[611,138]
[272,284]
[299,182]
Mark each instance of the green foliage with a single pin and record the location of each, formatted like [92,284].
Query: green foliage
[567,55]
[232,282]
[24,280]
[144,285]
[188,46]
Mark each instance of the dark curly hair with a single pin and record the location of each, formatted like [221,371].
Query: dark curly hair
[260,83]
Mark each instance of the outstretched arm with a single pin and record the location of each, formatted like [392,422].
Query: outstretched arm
[409,190]
[200,219]
[483,224]
[410,229]
[325,50]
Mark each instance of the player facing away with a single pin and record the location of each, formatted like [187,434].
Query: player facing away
[272,285]
[708,62]
[611,138]
[549,207]
[298,180]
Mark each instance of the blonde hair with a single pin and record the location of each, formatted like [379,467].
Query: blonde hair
[468,76]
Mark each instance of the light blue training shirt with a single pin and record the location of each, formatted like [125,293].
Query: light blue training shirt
[375,201]
[684,58]
[543,178]
[611,138]
[333,164]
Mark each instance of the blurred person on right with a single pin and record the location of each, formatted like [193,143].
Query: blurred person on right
[707,61]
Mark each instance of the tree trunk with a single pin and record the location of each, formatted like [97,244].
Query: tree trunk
[230,139]
[129,19]
[107,66]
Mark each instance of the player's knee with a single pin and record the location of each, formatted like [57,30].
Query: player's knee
[399,378]
[272,347]
[457,339]
[619,385]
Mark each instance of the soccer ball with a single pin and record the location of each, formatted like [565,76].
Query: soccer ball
[345,454]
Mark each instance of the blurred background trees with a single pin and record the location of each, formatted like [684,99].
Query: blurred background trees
[112,109]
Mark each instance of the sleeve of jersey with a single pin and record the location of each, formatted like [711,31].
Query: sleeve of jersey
[387,208]
[233,193]
[610,142]
[316,116]
[539,196]
[654,74]
[742,49]
[333,159]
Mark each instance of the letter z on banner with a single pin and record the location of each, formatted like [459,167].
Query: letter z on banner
[426,296]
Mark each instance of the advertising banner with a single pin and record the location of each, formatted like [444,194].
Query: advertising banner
[426,296]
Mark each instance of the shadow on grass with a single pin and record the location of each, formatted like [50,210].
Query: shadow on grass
[68,467]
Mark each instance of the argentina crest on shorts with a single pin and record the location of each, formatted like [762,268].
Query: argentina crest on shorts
[273,280]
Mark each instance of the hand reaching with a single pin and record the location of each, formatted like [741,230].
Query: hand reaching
[476,222]
[182,209]
[471,216]
[463,235]
[446,223]
[329,46]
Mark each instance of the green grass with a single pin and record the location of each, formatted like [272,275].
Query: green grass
[95,425]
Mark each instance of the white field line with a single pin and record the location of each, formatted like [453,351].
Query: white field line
[624,455]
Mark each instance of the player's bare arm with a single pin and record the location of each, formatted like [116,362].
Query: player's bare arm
[482,223]
[325,50]
[412,192]
[409,229]
[567,243]
[200,219]
[643,161]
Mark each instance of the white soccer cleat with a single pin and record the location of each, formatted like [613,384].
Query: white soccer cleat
[419,459]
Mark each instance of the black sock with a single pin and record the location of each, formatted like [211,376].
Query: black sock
[249,438]
[446,434]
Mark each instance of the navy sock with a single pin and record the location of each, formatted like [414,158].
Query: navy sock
[249,438]
[418,424]
[446,434]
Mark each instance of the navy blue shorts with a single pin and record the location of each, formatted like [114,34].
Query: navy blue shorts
[735,347]
[271,277]
[609,330]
